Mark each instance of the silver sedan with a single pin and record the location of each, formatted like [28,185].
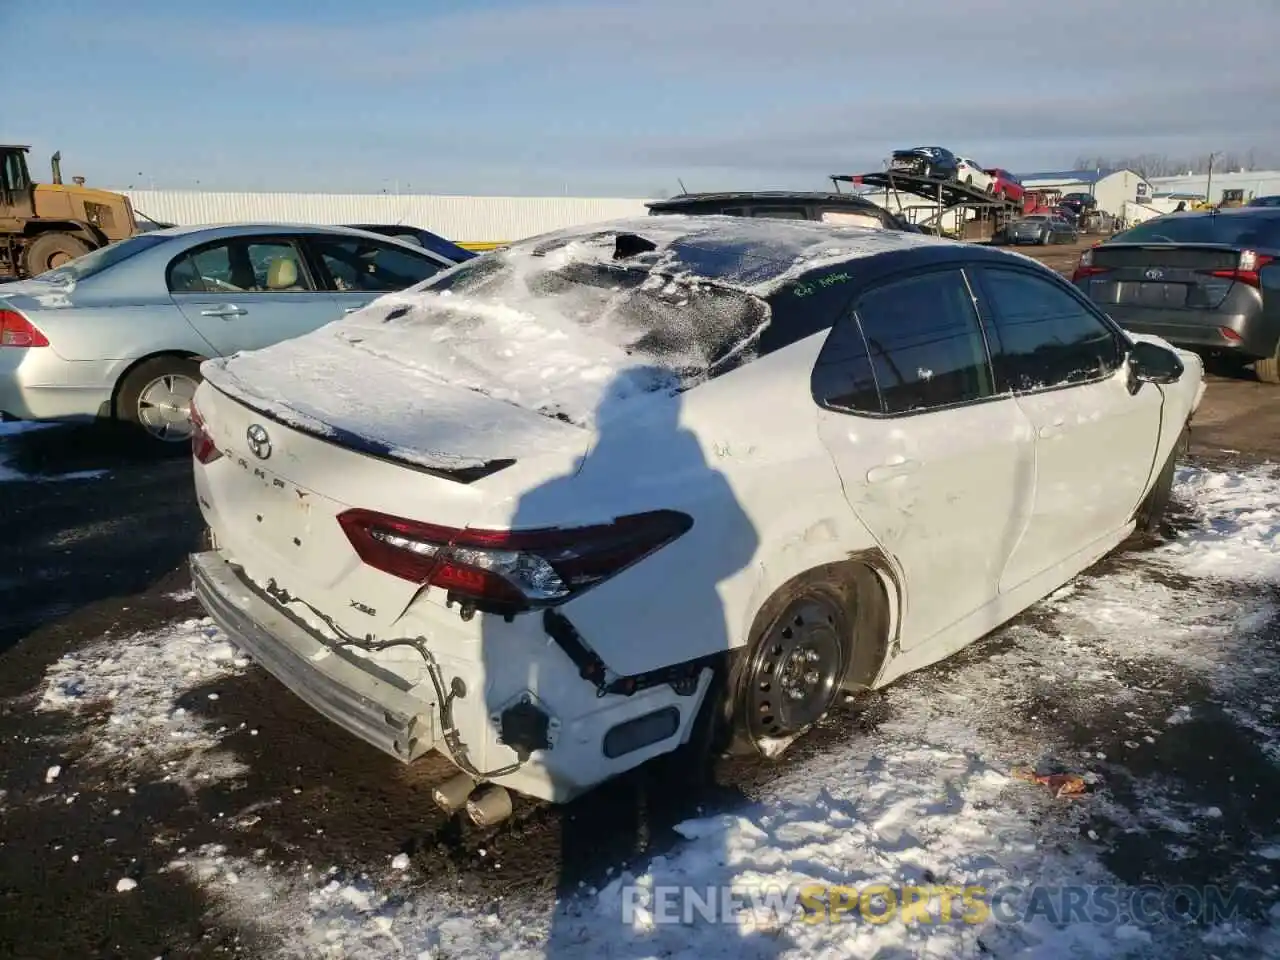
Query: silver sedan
[120,332]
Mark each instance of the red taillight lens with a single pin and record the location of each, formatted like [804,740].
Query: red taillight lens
[1082,272]
[1085,267]
[17,331]
[202,445]
[509,570]
[1246,270]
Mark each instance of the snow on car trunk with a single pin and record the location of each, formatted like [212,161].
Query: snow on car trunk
[1111,669]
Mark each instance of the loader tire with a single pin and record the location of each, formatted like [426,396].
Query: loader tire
[51,250]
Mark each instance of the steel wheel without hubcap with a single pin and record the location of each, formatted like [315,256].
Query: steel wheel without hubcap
[164,407]
[796,669]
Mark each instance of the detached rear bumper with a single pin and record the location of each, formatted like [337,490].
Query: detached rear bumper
[363,700]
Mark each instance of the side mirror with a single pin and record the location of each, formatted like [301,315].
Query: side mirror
[1149,363]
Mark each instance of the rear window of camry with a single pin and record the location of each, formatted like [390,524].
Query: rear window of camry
[1234,231]
[695,330]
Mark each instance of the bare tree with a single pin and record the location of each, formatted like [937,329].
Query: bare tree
[1150,165]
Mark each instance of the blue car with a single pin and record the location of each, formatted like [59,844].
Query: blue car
[120,332]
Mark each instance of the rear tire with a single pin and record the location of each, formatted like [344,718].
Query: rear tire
[794,669]
[156,398]
[51,250]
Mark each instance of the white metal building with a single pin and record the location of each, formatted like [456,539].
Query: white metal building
[480,220]
[1112,188]
[1254,183]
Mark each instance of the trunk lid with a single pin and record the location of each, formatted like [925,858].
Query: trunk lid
[303,444]
[377,406]
[1163,275]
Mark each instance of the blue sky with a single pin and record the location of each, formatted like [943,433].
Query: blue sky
[621,98]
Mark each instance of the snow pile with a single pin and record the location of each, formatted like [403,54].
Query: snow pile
[138,680]
[926,799]
[1239,532]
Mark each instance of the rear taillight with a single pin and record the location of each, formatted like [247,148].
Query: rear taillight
[1246,269]
[17,331]
[202,445]
[1085,267]
[503,570]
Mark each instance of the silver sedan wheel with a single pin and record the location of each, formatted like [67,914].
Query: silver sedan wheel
[164,407]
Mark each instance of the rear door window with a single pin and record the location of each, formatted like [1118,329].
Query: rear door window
[921,347]
[242,265]
[1043,335]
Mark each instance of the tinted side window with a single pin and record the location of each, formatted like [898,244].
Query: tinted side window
[1045,336]
[925,342]
[842,376]
[373,267]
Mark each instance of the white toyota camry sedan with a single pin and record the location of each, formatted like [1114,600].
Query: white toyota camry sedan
[667,486]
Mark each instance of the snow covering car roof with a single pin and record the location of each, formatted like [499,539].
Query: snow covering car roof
[756,256]
[556,324]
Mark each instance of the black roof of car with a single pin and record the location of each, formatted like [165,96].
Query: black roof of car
[761,197]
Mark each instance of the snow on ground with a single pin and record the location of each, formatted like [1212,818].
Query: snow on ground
[928,798]
[138,680]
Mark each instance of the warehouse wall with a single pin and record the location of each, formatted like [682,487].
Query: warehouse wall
[461,219]
[1259,183]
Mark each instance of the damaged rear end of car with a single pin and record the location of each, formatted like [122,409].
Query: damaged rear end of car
[402,536]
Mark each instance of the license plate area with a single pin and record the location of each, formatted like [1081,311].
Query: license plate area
[1149,294]
[278,511]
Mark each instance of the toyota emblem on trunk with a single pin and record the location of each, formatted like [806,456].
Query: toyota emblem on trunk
[259,442]
[1154,274]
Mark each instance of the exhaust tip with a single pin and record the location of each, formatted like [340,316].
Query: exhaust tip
[489,805]
[451,796]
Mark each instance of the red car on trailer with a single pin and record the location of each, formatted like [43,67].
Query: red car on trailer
[1006,185]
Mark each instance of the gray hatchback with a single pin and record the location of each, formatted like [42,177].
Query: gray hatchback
[1207,280]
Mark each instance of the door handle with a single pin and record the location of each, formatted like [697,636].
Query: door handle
[231,310]
[888,471]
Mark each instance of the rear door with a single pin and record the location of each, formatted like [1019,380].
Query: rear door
[935,461]
[245,293]
[1096,437]
[362,270]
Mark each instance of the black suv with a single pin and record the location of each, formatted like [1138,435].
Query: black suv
[1205,280]
[844,209]
[419,237]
